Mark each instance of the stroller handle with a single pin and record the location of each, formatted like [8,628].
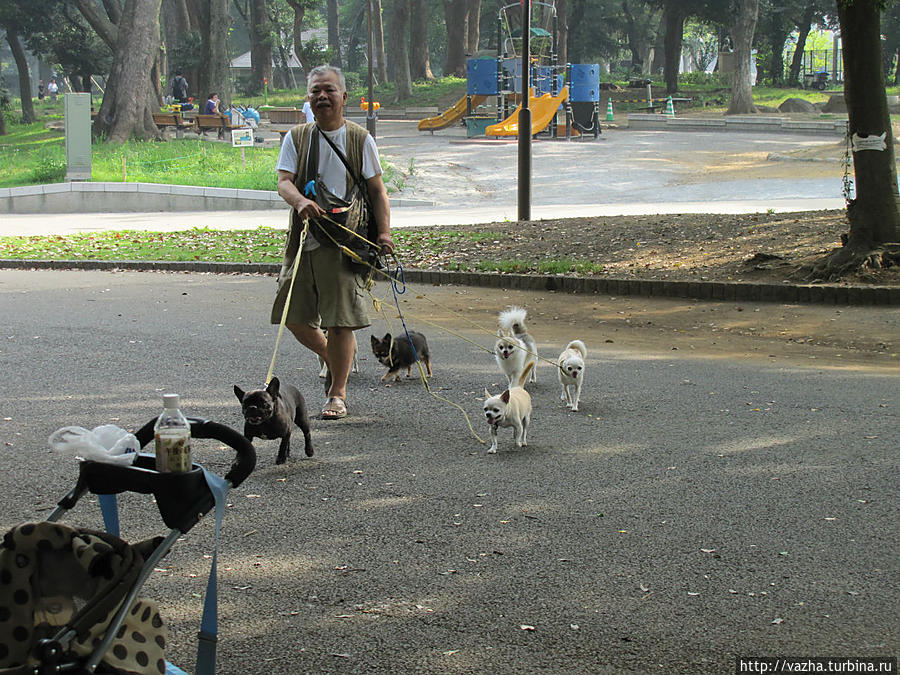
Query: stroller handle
[244,462]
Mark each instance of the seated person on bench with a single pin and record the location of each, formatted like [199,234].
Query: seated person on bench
[212,108]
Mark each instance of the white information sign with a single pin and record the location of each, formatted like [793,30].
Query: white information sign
[242,138]
[870,142]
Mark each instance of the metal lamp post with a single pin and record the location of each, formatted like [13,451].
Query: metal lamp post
[525,118]
[370,108]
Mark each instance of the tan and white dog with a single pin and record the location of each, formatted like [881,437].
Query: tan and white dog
[514,348]
[512,408]
[571,373]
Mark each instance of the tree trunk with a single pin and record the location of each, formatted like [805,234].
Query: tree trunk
[12,37]
[419,58]
[358,30]
[128,105]
[399,52]
[797,61]
[214,69]
[260,46]
[299,14]
[576,22]
[776,57]
[378,29]
[113,10]
[334,33]
[897,71]
[457,34]
[562,39]
[742,39]
[637,63]
[673,18]
[473,26]
[176,24]
[105,29]
[874,214]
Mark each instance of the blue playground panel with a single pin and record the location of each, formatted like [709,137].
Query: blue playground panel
[585,82]
[512,68]
[542,81]
[481,77]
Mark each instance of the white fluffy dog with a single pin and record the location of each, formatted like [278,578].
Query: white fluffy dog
[514,348]
[571,373]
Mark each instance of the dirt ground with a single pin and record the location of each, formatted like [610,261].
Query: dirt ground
[769,248]
[754,247]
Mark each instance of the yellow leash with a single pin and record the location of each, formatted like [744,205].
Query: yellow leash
[287,301]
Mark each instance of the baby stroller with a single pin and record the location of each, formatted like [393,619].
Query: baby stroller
[69,596]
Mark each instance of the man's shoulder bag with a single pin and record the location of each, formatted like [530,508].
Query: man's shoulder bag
[348,222]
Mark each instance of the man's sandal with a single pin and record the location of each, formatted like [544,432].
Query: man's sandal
[334,408]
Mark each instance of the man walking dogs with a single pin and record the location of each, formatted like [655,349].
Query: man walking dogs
[327,292]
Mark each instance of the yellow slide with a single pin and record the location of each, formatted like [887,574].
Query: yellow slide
[543,109]
[450,116]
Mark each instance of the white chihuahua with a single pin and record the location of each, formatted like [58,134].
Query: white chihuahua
[512,408]
[571,373]
[514,348]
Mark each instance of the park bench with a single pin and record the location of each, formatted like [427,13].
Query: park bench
[164,120]
[204,123]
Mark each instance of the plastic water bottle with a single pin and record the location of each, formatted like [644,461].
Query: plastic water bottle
[172,432]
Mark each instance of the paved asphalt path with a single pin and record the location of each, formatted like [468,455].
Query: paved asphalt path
[693,511]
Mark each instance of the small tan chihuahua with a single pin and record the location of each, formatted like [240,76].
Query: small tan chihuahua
[512,408]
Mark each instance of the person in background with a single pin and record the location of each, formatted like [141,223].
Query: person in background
[40,90]
[307,110]
[212,105]
[212,108]
[180,87]
[52,89]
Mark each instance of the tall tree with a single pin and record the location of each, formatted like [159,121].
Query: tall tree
[874,214]
[772,30]
[378,30]
[130,98]
[260,45]
[213,74]
[182,30]
[742,32]
[334,32]
[473,26]
[300,7]
[399,54]
[455,15]
[419,57]
[562,37]
[18,52]
[674,15]
[804,26]
[641,25]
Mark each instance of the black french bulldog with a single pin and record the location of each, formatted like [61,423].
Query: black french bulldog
[272,412]
[400,355]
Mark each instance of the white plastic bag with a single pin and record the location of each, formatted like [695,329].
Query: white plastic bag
[106,443]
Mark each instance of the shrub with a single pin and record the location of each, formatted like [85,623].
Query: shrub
[50,169]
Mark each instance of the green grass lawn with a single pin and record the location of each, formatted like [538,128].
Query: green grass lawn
[263,244]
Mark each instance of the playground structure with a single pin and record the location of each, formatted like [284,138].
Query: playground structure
[570,91]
